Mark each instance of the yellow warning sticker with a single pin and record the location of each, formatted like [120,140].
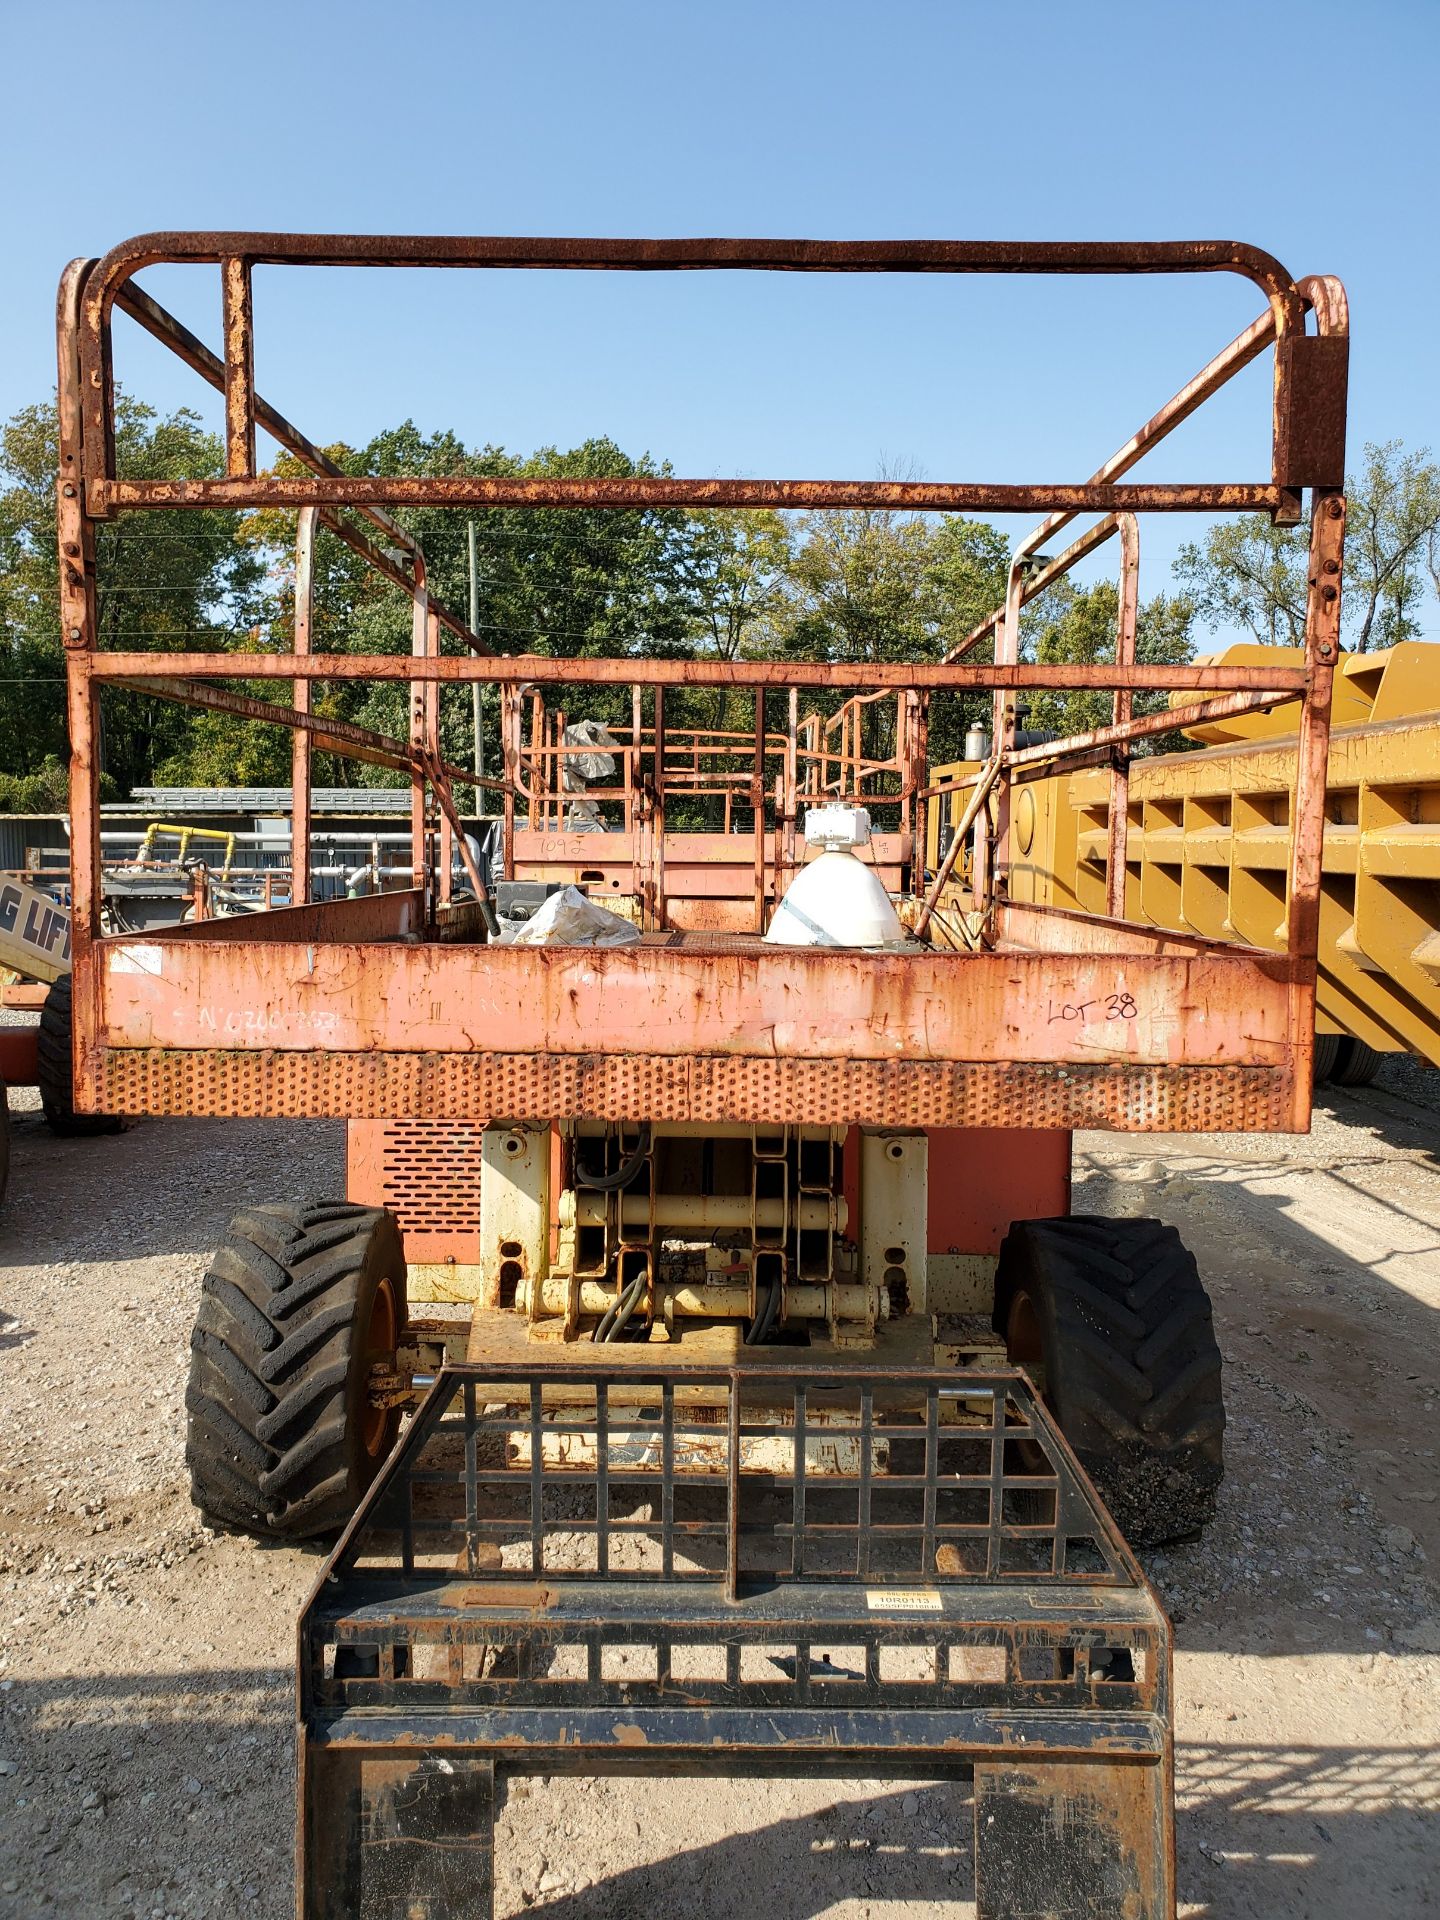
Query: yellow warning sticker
[903,1599]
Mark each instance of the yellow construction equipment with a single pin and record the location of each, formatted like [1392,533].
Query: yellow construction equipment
[1209,838]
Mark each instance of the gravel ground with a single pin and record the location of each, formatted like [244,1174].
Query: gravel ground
[146,1746]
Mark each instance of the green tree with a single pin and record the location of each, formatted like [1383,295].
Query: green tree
[584,581]
[859,588]
[1394,514]
[1075,626]
[167,582]
[969,567]
[1250,574]
[968,575]
[732,567]
[573,582]
[874,586]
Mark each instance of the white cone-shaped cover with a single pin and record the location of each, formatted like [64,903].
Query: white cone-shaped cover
[836,901]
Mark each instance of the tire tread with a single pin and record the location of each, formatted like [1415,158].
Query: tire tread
[55,1069]
[1132,1368]
[269,1439]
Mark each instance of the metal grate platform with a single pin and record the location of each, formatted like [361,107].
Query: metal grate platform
[685,1570]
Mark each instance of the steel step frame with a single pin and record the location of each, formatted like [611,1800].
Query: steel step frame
[892,1575]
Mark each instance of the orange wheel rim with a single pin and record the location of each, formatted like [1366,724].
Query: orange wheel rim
[1023,1344]
[380,1341]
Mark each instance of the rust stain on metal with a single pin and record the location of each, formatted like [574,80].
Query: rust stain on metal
[476,1087]
[649,491]
[546,670]
[507,1596]
[239,315]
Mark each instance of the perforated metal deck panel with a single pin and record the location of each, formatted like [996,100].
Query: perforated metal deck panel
[898,1093]
[675,1569]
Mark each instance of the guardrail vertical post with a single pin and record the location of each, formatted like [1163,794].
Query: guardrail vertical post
[1307,806]
[657,860]
[1124,706]
[1007,653]
[78,627]
[239,318]
[300,751]
[422,731]
[757,801]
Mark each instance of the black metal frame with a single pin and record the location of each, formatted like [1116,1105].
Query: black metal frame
[528,1589]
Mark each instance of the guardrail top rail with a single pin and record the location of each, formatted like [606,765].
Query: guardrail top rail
[1016,1016]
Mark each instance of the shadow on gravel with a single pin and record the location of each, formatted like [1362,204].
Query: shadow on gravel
[1262,1831]
[157,1785]
[163,1187]
[13,1333]
[1308,1553]
[789,1870]
[1267,1831]
[1400,1108]
[1321,1334]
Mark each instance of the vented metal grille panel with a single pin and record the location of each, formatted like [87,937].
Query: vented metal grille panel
[485,1086]
[432,1174]
[427,1172]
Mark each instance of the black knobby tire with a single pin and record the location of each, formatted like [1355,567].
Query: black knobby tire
[1114,1320]
[55,1070]
[1357,1064]
[282,1438]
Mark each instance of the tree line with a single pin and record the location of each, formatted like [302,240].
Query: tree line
[851,587]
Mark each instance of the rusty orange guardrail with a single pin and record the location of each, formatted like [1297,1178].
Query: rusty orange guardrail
[1001,1012]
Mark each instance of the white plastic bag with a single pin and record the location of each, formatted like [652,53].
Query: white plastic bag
[583,816]
[579,769]
[568,919]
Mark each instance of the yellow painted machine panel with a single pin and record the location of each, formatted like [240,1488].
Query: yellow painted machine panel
[1209,839]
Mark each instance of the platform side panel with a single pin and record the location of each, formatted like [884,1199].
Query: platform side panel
[1206,1007]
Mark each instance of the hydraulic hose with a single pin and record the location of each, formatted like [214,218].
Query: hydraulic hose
[763,1325]
[624,1174]
[620,1310]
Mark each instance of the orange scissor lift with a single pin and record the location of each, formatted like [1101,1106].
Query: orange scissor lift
[704,1367]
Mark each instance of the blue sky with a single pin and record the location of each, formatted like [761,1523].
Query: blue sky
[1308,130]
